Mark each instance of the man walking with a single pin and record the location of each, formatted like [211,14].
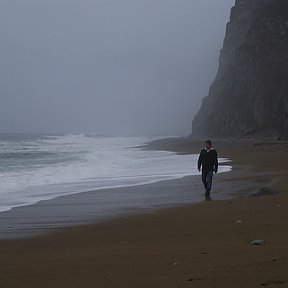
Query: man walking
[208,160]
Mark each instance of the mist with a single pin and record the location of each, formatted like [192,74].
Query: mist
[107,66]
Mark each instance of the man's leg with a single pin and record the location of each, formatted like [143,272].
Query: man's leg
[204,179]
[209,179]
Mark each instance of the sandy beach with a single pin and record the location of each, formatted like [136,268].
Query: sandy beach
[200,245]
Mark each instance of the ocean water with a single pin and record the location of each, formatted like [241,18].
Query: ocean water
[42,167]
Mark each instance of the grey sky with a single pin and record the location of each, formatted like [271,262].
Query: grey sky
[107,66]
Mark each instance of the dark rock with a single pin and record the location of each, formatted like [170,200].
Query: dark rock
[263,192]
[249,96]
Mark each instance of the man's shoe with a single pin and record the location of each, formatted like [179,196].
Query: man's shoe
[208,198]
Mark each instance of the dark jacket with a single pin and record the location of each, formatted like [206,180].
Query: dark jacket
[208,160]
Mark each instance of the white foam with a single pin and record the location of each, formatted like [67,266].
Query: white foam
[95,163]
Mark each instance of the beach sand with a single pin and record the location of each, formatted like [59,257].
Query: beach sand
[199,245]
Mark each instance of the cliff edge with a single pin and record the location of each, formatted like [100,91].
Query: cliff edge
[249,96]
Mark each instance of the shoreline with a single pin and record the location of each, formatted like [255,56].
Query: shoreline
[199,245]
[49,216]
[94,206]
[150,182]
[66,211]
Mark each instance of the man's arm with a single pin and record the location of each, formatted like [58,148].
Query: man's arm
[216,162]
[200,160]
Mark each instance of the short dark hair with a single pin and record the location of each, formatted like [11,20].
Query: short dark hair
[209,142]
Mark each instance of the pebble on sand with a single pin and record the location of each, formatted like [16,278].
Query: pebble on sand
[238,221]
[257,242]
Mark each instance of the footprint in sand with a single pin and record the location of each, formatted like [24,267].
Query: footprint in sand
[271,282]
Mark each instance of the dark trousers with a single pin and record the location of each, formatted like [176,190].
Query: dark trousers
[207,177]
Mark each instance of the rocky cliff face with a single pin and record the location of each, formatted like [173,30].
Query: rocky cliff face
[250,93]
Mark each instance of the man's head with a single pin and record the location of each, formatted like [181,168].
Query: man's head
[208,144]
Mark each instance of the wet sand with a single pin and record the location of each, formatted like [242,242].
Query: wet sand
[199,245]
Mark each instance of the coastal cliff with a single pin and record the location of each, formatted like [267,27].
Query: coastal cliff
[249,96]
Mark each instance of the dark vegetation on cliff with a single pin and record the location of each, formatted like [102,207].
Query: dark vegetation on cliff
[249,96]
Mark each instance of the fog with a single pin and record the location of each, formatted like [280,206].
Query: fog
[107,66]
